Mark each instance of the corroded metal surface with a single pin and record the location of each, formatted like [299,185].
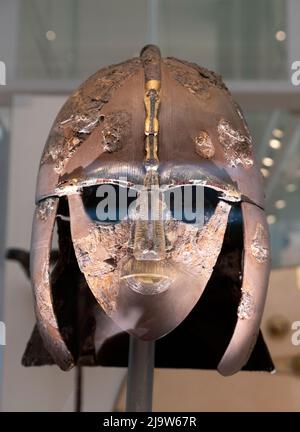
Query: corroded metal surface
[45,208]
[209,76]
[197,80]
[237,147]
[246,306]
[81,113]
[195,248]
[115,125]
[260,245]
[204,145]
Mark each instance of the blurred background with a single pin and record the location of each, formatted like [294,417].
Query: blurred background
[49,47]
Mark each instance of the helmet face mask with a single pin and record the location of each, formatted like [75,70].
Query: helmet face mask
[148,129]
[136,279]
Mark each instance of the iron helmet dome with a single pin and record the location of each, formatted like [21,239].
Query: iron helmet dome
[157,122]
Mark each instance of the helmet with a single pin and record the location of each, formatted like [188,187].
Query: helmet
[147,127]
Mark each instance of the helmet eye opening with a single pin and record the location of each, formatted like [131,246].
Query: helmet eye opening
[108,203]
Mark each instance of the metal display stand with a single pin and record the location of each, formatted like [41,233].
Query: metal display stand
[140,375]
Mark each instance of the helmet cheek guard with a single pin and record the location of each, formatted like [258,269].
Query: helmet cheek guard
[254,289]
[167,125]
[41,242]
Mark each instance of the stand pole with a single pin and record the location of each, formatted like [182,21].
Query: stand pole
[78,388]
[140,375]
